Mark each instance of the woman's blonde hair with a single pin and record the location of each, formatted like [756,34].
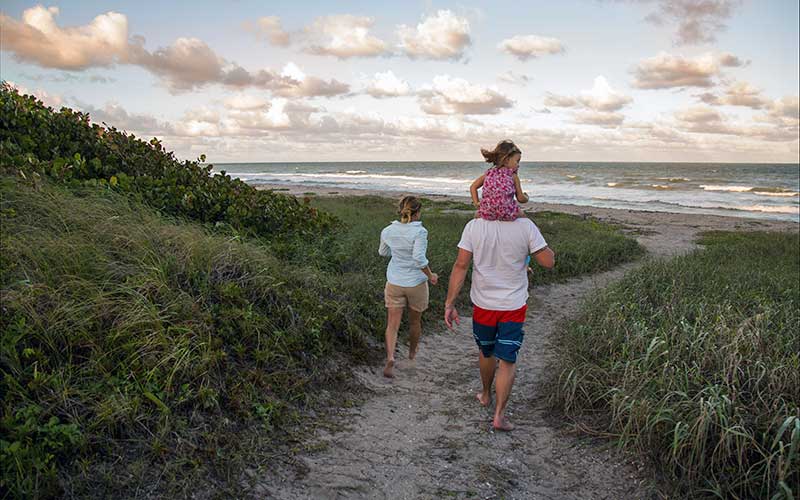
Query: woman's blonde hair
[408,207]
[500,153]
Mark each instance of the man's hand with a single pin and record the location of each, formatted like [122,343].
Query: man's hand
[451,316]
[434,279]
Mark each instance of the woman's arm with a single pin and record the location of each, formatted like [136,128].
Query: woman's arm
[522,196]
[473,189]
[384,249]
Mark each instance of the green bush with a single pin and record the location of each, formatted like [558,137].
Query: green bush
[695,363]
[66,147]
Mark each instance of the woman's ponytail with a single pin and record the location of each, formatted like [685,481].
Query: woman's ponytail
[498,155]
[408,207]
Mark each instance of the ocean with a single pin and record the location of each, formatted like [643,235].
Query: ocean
[766,191]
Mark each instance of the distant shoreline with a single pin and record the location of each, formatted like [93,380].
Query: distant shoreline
[636,220]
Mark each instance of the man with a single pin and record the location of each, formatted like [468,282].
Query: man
[499,295]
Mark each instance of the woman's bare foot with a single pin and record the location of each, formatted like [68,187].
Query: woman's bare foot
[388,370]
[483,399]
[502,424]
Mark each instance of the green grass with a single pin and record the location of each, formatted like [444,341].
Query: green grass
[695,363]
[147,353]
[131,338]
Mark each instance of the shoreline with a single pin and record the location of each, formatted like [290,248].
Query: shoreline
[661,232]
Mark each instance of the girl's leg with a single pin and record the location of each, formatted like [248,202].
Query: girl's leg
[415,331]
[393,317]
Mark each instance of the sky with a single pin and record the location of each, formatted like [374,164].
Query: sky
[303,81]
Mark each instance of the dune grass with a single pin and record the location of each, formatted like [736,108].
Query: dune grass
[695,363]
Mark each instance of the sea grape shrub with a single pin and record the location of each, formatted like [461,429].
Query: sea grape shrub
[66,146]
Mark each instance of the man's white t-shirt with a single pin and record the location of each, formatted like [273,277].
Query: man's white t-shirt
[499,273]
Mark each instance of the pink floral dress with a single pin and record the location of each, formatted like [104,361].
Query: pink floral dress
[497,199]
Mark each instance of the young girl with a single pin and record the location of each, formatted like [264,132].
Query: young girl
[407,277]
[500,184]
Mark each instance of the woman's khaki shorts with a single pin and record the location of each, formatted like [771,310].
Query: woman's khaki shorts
[415,297]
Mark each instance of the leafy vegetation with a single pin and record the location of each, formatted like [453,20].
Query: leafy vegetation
[695,363]
[65,146]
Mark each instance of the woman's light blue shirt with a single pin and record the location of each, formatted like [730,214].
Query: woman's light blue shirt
[406,244]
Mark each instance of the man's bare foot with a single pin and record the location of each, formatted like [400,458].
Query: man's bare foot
[388,370]
[483,399]
[412,355]
[502,424]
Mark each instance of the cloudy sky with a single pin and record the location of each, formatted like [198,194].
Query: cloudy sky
[580,80]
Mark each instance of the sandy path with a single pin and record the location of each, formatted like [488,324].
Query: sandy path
[423,435]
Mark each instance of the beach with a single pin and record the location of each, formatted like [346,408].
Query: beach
[660,232]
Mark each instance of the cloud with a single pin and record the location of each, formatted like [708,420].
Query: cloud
[114,115]
[514,78]
[598,104]
[344,36]
[187,64]
[736,94]
[37,38]
[246,102]
[730,60]
[387,85]
[525,47]
[559,101]
[270,28]
[783,112]
[667,71]
[602,119]
[601,97]
[698,21]
[449,96]
[441,36]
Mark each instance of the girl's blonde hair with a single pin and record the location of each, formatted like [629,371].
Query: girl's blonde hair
[408,207]
[501,152]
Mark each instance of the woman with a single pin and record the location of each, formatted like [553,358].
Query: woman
[407,276]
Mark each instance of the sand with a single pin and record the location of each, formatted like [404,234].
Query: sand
[423,434]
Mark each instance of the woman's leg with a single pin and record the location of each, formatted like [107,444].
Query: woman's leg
[414,331]
[393,317]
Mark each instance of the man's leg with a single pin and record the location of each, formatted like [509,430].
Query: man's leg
[487,367]
[393,317]
[415,331]
[503,385]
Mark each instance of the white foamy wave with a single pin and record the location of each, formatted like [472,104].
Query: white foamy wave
[355,172]
[572,177]
[779,209]
[735,189]
[612,184]
[350,177]
[660,186]
[781,194]
[674,179]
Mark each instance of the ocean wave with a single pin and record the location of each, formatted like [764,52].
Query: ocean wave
[573,177]
[734,189]
[673,179]
[613,184]
[355,172]
[784,194]
[660,186]
[352,177]
[779,209]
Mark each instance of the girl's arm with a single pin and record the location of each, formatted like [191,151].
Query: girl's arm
[384,249]
[522,197]
[473,189]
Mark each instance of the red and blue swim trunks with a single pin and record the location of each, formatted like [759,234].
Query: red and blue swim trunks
[499,333]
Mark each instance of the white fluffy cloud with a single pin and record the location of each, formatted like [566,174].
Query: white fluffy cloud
[737,94]
[447,96]
[270,28]
[386,84]
[525,47]
[37,38]
[598,104]
[440,36]
[666,70]
[344,36]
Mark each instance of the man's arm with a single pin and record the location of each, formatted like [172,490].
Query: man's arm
[545,257]
[473,189]
[457,276]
